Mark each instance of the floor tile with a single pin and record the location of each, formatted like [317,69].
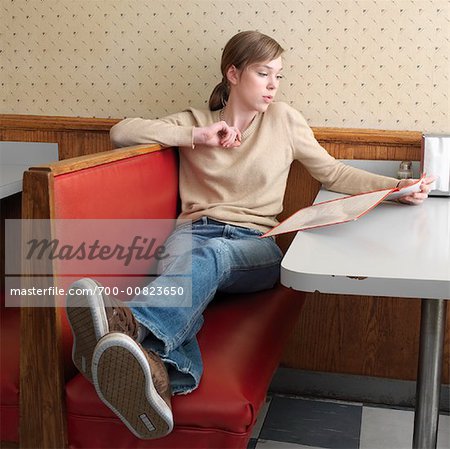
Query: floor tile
[266,444]
[397,429]
[312,423]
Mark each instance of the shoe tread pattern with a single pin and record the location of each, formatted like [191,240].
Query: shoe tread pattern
[122,383]
[84,338]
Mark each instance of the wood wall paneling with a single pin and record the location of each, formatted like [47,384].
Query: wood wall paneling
[74,136]
[335,333]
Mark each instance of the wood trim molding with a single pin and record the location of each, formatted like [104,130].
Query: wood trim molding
[342,135]
[91,160]
[368,136]
[56,123]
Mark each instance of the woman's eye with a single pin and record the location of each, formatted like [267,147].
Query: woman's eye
[262,74]
[279,77]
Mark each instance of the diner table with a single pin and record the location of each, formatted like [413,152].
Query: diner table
[16,157]
[395,250]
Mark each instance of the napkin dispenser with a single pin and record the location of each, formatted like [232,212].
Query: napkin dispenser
[436,161]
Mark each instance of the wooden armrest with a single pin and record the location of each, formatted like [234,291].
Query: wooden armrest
[42,409]
[91,160]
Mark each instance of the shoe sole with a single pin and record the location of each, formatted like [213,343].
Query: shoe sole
[88,321]
[123,381]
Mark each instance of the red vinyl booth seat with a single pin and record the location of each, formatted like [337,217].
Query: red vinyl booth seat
[9,371]
[241,341]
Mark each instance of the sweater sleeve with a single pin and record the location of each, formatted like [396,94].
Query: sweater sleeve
[333,174]
[173,130]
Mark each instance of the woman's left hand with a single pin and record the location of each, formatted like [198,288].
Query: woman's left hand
[417,197]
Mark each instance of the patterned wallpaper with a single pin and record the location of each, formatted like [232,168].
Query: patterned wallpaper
[349,63]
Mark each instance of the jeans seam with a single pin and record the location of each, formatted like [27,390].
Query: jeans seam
[254,267]
[180,335]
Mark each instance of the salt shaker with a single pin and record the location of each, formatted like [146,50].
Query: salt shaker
[405,170]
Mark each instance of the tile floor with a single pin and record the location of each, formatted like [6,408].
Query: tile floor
[288,422]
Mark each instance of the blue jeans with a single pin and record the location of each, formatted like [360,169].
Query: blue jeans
[219,258]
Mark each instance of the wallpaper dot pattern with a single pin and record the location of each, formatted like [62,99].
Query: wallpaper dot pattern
[378,64]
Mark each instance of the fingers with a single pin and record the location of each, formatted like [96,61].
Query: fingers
[412,200]
[230,136]
[425,188]
[426,183]
[218,134]
[417,197]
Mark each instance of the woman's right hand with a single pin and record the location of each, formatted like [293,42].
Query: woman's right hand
[218,134]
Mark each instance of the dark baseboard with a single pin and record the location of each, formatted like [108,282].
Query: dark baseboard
[8,445]
[347,387]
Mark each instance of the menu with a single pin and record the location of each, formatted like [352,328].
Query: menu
[340,210]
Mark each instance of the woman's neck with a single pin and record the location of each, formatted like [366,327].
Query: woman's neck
[235,116]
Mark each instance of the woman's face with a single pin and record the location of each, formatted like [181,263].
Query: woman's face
[254,87]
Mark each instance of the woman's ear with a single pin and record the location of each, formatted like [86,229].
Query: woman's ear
[232,75]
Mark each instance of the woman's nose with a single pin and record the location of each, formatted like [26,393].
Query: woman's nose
[272,83]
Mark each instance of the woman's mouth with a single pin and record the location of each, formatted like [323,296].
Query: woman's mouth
[267,98]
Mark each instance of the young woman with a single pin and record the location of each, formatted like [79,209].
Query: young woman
[234,162]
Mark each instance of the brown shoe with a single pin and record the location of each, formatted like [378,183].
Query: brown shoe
[92,314]
[134,384]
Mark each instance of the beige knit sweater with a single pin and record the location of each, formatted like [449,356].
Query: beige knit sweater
[244,186]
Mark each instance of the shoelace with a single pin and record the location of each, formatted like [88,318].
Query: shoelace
[122,317]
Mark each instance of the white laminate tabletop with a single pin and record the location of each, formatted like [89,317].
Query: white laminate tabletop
[11,178]
[394,250]
[16,157]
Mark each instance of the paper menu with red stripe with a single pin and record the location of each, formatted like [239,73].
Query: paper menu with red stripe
[341,210]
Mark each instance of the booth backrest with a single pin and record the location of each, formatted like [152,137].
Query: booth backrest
[79,195]
[104,203]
